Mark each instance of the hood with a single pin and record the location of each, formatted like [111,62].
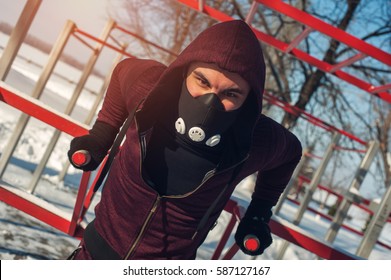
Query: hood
[232,46]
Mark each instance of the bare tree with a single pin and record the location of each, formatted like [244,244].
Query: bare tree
[173,26]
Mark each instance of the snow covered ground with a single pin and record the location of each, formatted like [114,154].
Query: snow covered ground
[24,237]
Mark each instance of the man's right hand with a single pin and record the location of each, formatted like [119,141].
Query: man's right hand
[96,143]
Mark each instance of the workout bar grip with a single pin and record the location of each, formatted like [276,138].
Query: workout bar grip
[81,158]
[251,243]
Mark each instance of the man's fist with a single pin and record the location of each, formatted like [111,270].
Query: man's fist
[95,144]
[253,234]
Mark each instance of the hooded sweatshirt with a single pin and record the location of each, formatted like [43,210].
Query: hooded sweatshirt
[132,218]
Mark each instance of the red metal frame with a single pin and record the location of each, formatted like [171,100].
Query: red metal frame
[307,116]
[316,24]
[73,226]
[37,109]
[290,233]
[29,203]
[40,111]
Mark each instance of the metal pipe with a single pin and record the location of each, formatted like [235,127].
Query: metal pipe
[375,226]
[37,91]
[316,179]
[17,36]
[79,87]
[290,184]
[251,13]
[343,209]
[95,106]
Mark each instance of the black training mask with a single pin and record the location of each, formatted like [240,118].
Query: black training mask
[203,119]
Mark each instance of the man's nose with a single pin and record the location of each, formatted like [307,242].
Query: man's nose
[212,99]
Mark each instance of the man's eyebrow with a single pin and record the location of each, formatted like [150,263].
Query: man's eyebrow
[237,90]
[200,74]
[233,89]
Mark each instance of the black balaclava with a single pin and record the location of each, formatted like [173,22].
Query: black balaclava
[203,119]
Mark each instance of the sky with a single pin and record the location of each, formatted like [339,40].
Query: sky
[89,15]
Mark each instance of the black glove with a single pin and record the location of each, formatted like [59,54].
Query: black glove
[255,224]
[96,143]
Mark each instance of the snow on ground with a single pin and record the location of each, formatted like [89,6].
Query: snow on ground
[24,237]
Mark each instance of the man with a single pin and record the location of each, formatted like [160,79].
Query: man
[198,131]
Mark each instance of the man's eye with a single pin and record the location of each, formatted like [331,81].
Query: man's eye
[202,82]
[231,94]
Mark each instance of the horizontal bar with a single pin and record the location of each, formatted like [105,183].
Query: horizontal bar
[84,42]
[41,111]
[17,199]
[103,43]
[145,40]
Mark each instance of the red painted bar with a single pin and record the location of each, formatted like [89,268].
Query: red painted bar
[33,209]
[77,210]
[328,29]
[321,26]
[296,236]
[40,111]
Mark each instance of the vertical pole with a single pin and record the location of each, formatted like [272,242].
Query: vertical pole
[17,36]
[39,86]
[79,87]
[201,5]
[290,184]
[343,209]
[251,13]
[311,189]
[94,107]
[316,179]
[375,226]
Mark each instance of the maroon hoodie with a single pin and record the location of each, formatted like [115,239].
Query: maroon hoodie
[132,218]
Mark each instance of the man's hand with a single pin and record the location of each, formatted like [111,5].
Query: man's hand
[95,144]
[253,234]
